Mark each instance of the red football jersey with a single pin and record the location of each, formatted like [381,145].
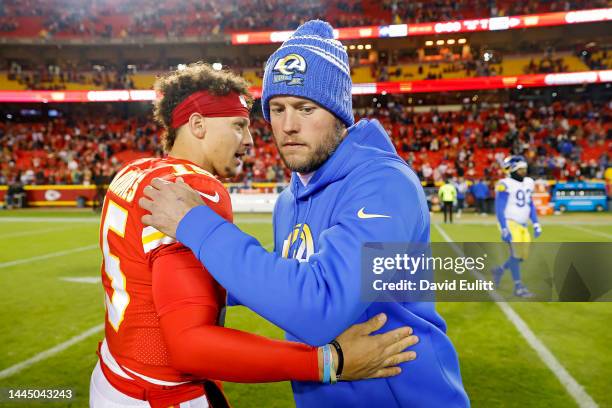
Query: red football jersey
[133,332]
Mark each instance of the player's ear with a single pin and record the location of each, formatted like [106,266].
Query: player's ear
[197,125]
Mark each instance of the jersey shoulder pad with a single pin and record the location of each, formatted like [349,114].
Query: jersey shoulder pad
[501,186]
[212,192]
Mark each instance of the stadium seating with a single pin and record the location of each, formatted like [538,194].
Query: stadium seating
[111,79]
[560,140]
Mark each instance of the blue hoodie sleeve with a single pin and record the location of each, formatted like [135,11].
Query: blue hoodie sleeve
[315,300]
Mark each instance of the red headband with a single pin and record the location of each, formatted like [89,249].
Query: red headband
[209,105]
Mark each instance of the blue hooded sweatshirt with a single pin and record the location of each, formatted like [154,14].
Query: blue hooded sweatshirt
[310,286]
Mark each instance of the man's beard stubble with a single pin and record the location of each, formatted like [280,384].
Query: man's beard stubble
[320,155]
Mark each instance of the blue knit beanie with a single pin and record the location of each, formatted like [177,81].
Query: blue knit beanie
[311,64]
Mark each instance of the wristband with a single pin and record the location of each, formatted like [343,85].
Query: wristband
[332,370]
[340,357]
[326,364]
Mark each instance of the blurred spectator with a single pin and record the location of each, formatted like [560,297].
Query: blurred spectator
[480,191]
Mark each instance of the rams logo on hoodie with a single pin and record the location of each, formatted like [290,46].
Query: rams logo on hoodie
[299,244]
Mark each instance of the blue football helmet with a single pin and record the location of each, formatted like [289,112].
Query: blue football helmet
[513,163]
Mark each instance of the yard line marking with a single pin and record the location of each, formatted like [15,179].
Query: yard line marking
[577,391]
[14,369]
[33,232]
[600,233]
[544,221]
[47,256]
[252,220]
[62,220]
[82,279]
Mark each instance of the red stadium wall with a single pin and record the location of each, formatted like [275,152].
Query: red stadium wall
[55,195]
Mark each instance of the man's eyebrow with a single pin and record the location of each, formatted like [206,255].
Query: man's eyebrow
[299,104]
[242,121]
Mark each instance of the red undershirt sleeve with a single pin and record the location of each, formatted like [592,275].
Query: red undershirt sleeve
[188,306]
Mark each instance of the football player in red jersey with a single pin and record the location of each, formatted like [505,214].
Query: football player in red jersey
[165,344]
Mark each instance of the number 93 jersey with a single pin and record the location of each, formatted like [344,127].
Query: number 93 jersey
[519,198]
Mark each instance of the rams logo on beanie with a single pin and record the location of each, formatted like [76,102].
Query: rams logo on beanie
[289,66]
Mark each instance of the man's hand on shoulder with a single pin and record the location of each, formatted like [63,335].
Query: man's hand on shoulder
[167,203]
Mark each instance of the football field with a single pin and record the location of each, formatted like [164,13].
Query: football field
[52,313]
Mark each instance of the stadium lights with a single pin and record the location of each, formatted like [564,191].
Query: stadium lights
[440,42]
[181,67]
[351,47]
[462,41]
[217,66]
[360,47]
[368,46]
[450,42]
[432,27]
[518,82]
[428,43]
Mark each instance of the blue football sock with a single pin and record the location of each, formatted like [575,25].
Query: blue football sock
[515,268]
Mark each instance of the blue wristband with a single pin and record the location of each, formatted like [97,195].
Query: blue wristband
[326,364]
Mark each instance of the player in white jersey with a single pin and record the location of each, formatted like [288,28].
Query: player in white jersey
[514,208]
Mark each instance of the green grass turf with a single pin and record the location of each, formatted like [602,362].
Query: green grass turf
[39,311]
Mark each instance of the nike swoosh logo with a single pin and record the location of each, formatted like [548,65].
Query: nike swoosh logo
[213,198]
[363,215]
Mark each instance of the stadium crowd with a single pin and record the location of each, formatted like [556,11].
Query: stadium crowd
[58,76]
[560,141]
[114,18]
[477,63]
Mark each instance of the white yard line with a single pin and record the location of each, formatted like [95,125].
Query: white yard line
[598,233]
[544,221]
[33,232]
[46,256]
[577,391]
[62,220]
[14,369]
[81,279]
[252,220]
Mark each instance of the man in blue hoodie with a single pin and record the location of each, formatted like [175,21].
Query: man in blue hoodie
[348,187]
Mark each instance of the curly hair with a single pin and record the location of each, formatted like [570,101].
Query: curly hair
[176,86]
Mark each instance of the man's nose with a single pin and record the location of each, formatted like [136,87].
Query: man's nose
[290,122]
[247,139]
